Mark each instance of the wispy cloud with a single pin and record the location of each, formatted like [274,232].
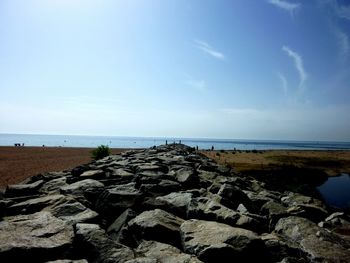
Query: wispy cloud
[299,65]
[342,11]
[283,81]
[205,47]
[343,42]
[199,85]
[290,7]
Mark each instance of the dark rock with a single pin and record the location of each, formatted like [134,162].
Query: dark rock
[275,211]
[232,196]
[176,202]
[156,225]
[115,200]
[94,244]
[23,189]
[38,236]
[53,186]
[121,221]
[161,252]
[306,234]
[68,261]
[213,242]
[78,188]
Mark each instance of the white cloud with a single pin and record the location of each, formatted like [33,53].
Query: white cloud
[343,43]
[299,65]
[290,7]
[205,47]
[199,85]
[283,81]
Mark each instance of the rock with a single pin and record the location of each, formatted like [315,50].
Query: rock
[72,211]
[213,242]
[275,211]
[23,189]
[163,253]
[37,237]
[312,212]
[115,200]
[35,204]
[53,186]
[187,177]
[98,247]
[176,202]
[95,174]
[122,220]
[78,188]
[232,196]
[68,261]
[304,233]
[156,225]
[161,187]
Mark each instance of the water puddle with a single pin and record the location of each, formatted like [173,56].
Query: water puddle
[336,191]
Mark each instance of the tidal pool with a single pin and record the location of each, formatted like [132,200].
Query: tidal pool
[336,191]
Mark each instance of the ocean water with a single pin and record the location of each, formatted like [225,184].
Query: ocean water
[145,142]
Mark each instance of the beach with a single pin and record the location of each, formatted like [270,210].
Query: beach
[19,163]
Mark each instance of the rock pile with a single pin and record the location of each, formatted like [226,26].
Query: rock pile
[164,204]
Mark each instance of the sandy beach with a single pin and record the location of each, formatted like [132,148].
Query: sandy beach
[19,163]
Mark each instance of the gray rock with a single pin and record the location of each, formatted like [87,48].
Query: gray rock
[72,211]
[23,189]
[307,236]
[176,202]
[164,253]
[95,174]
[187,177]
[68,261]
[213,242]
[35,204]
[156,225]
[37,237]
[53,186]
[122,220]
[232,196]
[98,247]
[115,200]
[312,212]
[275,211]
[78,188]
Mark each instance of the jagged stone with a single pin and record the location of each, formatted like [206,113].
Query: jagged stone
[232,196]
[53,186]
[164,253]
[78,188]
[306,234]
[216,242]
[37,237]
[275,211]
[121,221]
[23,189]
[95,174]
[35,205]
[176,202]
[115,200]
[156,225]
[94,244]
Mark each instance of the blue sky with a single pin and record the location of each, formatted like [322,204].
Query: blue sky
[244,69]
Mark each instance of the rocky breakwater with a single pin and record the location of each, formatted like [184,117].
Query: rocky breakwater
[164,204]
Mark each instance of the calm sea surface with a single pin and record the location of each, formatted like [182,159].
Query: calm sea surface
[142,142]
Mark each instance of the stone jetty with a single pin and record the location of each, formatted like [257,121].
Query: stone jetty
[164,204]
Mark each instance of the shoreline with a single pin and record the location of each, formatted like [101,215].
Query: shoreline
[19,163]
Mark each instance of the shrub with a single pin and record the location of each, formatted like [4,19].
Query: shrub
[100,152]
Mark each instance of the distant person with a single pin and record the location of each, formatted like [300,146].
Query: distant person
[196,147]
[22,144]
[212,147]
[166,142]
[180,142]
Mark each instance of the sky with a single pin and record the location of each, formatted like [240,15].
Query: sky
[242,69]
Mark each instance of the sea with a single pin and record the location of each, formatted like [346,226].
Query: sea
[146,142]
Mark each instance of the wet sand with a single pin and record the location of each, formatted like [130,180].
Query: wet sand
[19,163]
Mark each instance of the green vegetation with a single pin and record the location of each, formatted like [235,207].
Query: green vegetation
[100,152]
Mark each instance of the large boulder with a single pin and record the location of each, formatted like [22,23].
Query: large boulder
[36,237]
[94,244]
[78,188]
[319,245]
[23,189]
[163,253]
[216,242]
[156,225]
